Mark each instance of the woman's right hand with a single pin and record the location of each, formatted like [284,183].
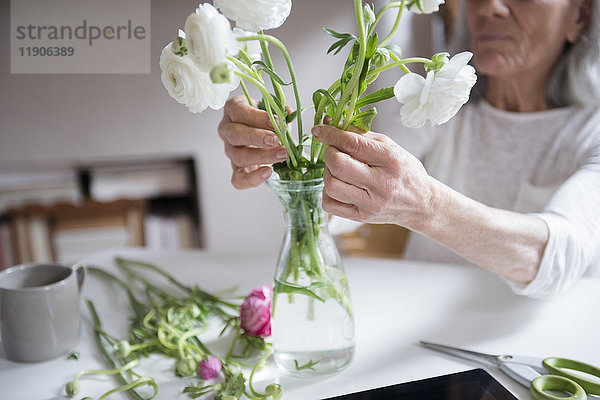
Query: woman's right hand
[250,143]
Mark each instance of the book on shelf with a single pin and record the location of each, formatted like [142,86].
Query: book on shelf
[68,210]
[136,182]
[7,258]
[169,232]
[41,187]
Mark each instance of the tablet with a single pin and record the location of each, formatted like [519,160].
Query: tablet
[475,384]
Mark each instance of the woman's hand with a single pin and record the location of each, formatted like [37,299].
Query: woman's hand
[370,178]
[250,143]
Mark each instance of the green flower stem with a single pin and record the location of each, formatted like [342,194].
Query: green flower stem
[163,338]
[358,66]
[232,345]
[146,321]
[317,149]
[106,355]
[351,108]
[269,62]
[248,97]
[259,365]
[124,368]
[138,308]
[311,237]
[304,218]
[183,338]
[139,346]
[145,381]
[400,63]
[291,69]
[388,38]
[381,12]
[270,102]
[124,262]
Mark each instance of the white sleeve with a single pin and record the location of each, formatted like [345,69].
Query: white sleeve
[338,225]
[573,219]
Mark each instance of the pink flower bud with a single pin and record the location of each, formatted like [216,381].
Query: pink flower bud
[255,313]
[209,368]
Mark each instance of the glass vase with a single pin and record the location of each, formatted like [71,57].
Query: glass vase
[312,324]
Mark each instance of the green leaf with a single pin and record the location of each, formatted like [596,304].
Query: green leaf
[261,103]
[363,120]
[308,365]
[326,94]
[375,97]
[271,73]
[281,287]
[344,39]
[394,49]
[233,385]
[371,46]
[195,392]
[338,35]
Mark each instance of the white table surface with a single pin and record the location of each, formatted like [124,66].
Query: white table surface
[396,304]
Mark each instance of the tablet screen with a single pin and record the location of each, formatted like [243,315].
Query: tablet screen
[475,384]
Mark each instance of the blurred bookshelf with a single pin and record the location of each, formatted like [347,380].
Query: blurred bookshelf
[51,212]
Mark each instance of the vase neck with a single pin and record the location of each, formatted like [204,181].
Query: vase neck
[301,201]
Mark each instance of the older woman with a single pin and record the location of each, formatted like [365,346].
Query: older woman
[511,184]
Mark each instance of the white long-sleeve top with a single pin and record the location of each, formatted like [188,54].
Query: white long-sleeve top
[543,163]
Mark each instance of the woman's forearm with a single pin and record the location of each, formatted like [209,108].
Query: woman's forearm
[504,242]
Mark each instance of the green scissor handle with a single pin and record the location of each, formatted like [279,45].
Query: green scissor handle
[543,383]
[560,366]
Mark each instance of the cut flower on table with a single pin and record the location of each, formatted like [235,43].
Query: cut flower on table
[171,325]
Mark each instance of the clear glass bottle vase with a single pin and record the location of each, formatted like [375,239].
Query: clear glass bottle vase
[312,325]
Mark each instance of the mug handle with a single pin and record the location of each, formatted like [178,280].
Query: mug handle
[79,269]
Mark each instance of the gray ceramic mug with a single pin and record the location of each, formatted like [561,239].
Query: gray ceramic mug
[39,310]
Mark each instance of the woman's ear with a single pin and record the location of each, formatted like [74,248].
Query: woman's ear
[582,13]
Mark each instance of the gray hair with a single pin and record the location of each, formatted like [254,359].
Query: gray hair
[576,78]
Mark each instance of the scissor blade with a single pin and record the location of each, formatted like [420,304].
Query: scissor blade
[468,354]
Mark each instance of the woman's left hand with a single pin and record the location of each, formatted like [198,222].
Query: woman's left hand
[370,178]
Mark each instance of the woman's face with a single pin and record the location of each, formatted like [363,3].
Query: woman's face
[516,37]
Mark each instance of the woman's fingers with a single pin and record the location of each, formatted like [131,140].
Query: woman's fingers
[361,147]
[239,134]
[239,110]
[347,169]
[244,156]
[339,208]
[249,177]
[342,191]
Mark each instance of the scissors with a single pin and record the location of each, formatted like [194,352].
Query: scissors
[540,374]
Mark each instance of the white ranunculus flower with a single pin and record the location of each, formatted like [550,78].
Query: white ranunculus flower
[439,95]
[255,15]
[251,47]
[209,37]
[190,86]
[429,6]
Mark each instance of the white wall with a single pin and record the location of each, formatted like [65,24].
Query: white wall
[82,117]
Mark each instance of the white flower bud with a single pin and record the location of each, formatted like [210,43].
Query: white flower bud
[274,390]
[221,73]
[185,367]
[72,389]
[123,348]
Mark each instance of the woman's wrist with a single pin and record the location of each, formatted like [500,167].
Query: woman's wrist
[431,216]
